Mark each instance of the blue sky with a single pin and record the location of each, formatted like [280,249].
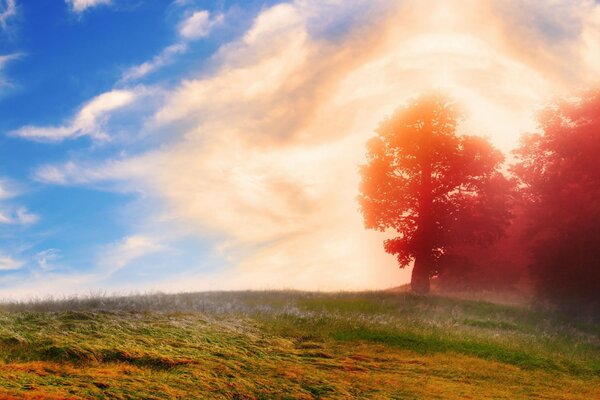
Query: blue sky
[194,145]
[58,58]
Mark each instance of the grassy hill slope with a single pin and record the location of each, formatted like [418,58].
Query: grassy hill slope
[293,345]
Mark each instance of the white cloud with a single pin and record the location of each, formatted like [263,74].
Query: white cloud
[164,58]
[199,24]
[8,9]
[13,215]
[55,174]
[275,20]
[88,121]
[7,189]
[267,144]
[9,264]
[71,173]
[46,257]
[4,219]
[5,59]
[24,217]
[82,5]
[127,250]
[48,282]
[18,216]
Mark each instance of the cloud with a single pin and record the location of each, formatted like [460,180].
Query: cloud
[166,57]
[7,189]
[10,215]
[4,219]
[199,25]
[263,149]
[79,6]
[5,59]
[47,281]
[282,193]
[9,264]
[89,120]
[55,174]
[71,173]
[18,216]
[8,9]
[49,284]
[195,26]
[127,250]
[45,258]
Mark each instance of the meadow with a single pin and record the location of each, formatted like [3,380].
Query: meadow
[293,345]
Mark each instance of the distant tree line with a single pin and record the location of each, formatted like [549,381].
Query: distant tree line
[465,217]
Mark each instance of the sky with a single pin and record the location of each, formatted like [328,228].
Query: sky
[213,145]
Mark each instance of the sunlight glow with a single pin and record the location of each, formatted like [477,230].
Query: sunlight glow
[254,152]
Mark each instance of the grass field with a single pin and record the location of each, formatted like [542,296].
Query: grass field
[293,345]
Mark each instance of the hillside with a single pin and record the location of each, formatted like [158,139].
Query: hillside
[293,345]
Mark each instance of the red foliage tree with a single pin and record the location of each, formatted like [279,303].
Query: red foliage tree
[560,170]
[500,266]
[435,188]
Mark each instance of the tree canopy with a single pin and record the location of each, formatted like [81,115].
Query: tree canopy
[559,168]
[434,187]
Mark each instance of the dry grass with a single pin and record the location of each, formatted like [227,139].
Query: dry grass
[293,345]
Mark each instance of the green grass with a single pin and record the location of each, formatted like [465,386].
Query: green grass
[293,345]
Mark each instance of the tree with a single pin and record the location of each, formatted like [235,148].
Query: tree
[435,188]
[500,266]
[559,168]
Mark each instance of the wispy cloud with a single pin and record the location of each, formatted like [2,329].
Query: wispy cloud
[267,143]
[89,120]
[45,258]
[196,25]
[49,280]
[71,173]
[18,216]
[199,24]
[242,158]
[8,9]
[79,6]
[9,214]
[10,264]
[129,249]
[166,57]
[7,189]
[5,59]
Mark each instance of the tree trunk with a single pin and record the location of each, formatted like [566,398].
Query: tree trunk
[423,237]
[419,281]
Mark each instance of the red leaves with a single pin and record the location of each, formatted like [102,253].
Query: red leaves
[432,186]
[560,173]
